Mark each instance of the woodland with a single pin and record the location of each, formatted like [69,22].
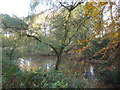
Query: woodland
[71,44]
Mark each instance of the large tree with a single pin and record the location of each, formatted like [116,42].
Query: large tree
[57,29]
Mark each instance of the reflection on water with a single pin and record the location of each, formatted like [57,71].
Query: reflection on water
[24,62]
[48,63]
[28,63]
[92,71]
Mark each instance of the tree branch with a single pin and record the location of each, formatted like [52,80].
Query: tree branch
[70,7]
[76,32]
[33,37]
[50,45]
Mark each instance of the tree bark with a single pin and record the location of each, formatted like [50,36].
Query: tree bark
[58,61]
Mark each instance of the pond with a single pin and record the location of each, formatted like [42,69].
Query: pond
[48,63]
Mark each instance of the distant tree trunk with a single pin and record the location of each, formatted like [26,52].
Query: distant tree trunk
[58,61]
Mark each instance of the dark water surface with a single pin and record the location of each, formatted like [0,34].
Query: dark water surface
[48,63]
[81,69]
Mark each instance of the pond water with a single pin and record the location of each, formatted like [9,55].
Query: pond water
[48,63]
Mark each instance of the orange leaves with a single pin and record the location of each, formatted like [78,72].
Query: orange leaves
[102,4]
[102,28]
[87,40]
[93,9]
[105,50]
[81,50]
[116,34]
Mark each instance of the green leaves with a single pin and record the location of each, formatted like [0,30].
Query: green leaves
[39,79]
[13,22]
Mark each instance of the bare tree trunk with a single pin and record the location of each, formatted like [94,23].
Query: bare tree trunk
[58,61]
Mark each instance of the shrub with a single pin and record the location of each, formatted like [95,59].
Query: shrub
[13,77]
[109,73]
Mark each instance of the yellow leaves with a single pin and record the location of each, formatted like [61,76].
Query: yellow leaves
[81,50]
[94,16]
[77,51]
[85,41]
[105,23]
[86,14]
[102,4]
[84,48]
[116,34]
[94,10]
[92,37]
[96,13]
[82,41]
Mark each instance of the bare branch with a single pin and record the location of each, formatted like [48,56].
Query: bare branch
[50,45]
[70,7]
